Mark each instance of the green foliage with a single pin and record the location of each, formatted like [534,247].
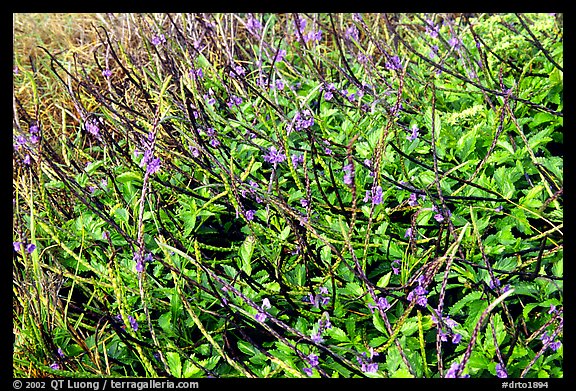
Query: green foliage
[295,213]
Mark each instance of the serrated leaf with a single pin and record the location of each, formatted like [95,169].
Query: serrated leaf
[337,333]
[174,364]
[470,297]
[129,176]
[384,280]
[246,250]
[379,323]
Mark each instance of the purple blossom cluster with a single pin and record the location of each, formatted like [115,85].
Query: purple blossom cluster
[22,142]
[196,73]
[297,160]
[448,330]
[367,364]
[18,246]
[419,293]
[131,319]
[396,266]
[261,316]
[253,25]
[414,135]
[212,137]
[394,64]
[302,120]
[348,173]
[320,299]
[238,70]
[547,340]
[375,195]
[274,156]
[158,39]
[313,361]
[501,371]
[251,191]
[151,163]
[431,29]
[106,72]
[439,216]
[382,304]
[329,91]
[351,33]
[234,101]
[323,324]
[451,373]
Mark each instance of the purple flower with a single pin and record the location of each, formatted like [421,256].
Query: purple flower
[312,360]
[455,43]
[279,84]
[274,156]
[253,25]
[195,152]
[431,30]
[555,345]
[451,373]
[328,95]
[394,64]
[351,33]
[414,134]
[545,338]
[238,71]
[307,371]
[30,247]
[266,304]
[297,159]
[370,367]
[418,294]
[214,142]
[158,39]
[303,120]
[17,246]
[210,100]
[250,215]
[197,73]
[234,101]
[280,55]
[139,266]
[494,283]
[55,366]
[456,338]
[317,338]
[377,196]
[92,128]
[413,200]
[501,371]
[552,309]
[409,233]
[382,304]
[60,352]
[396,270]
[304,202]
[499,208]
[153,166]
[260,317]
[133,323]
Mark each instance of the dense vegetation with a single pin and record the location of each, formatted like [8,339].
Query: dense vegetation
[288,195]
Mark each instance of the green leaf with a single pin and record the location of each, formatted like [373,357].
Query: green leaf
[470,297]
[402,373]
[379,323]
[337,333]
[129,176]
[174,364]
[246,251]
[384,280]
